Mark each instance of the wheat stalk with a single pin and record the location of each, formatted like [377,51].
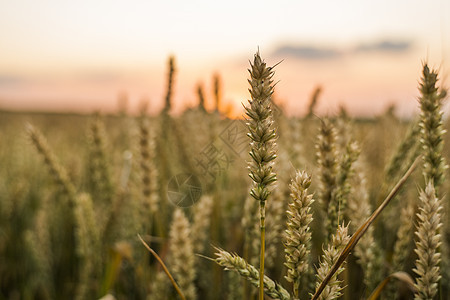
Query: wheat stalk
[217,92]
[262,135]
[201,98]
[169,92]
[160,283]
[428,227]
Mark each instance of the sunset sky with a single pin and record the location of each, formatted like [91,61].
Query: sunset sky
[63,55]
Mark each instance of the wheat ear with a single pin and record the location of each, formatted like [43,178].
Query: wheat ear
[169,92]
[298,234]
[327,164]
[235,263]
[182,259]
[329,258]
[431,127]
[55,168]
[427,244]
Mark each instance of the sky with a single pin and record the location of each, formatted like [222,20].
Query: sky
[83,56]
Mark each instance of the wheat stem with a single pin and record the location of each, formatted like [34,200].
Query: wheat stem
[175,285]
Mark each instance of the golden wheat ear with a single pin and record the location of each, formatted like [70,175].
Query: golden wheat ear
[182,258]
[233,262]
[298,233]
[367,251]
[327,162]
[431,127]
[333,289]
[262,142]
[58,172]
[427,244]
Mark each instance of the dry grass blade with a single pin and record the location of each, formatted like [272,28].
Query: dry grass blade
[402,276]
[363,228]
[175,285]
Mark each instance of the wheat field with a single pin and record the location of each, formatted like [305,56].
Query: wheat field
[201,206]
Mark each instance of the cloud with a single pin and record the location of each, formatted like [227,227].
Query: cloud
[384,46]
[307,52]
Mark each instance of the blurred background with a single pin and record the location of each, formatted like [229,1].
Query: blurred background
[97,149]
[81,56]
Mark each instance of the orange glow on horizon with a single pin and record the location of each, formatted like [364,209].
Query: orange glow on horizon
[364,84]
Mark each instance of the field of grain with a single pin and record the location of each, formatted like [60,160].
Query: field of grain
[83,197]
